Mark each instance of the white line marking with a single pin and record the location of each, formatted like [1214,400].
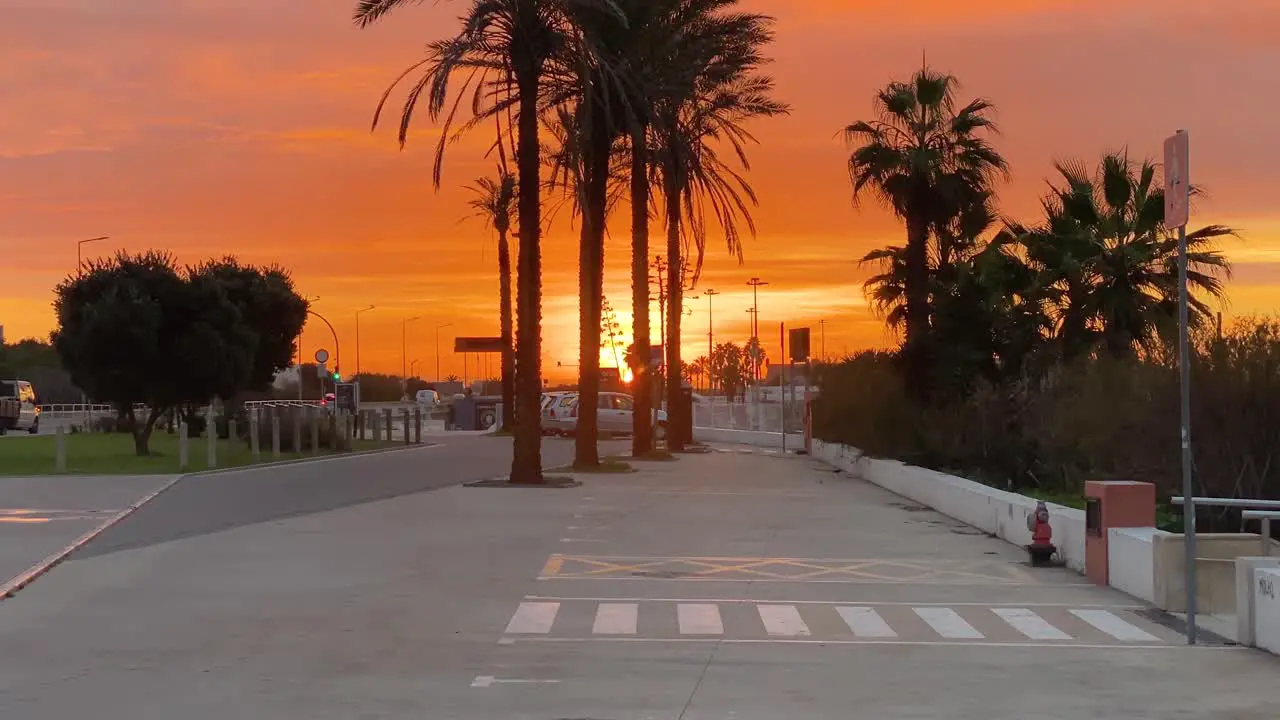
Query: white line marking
[1030,624]
[616,619]
[740,601]
[948,623]
[866,622]
[799,581]
[782,620]
[484,681]
[533,617]
[699,619]
[35,571]
[1112,625]
[929,643]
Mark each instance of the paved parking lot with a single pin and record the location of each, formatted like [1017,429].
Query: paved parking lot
[723,586]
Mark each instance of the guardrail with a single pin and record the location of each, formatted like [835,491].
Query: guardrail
[1266,516]
[1264,510]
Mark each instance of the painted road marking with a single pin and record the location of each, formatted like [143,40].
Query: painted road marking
[781,569]
[872,623]
[533,618]
[616,619]
[866,622]
[484,681]
[782,620]
[948,623]
[1112,625]
[699,619]
[1030,624]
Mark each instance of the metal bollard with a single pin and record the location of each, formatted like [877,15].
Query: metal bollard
[407,438]
[255,422]
[417,425]
[212,432]
[182,444]
[296,422]
[275,435]
[386,416]
[377,429]
[60,450]
[314,417]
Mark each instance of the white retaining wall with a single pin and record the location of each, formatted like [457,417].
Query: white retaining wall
[1003,514]
[1266,604]
[1131,561]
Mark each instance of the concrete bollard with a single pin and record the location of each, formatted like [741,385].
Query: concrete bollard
[182,444]
[377,426]
[364,425]
[314,417]
[417,425]
[275,435]
[231,430]
[296,422]
[212,432]
[60,450]
[255,420]
[407,437]
[386,416]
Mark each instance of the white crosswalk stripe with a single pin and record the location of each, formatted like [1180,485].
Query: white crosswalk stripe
[636,619]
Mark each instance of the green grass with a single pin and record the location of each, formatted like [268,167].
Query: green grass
[113,454]
[607,466]
[1071,500]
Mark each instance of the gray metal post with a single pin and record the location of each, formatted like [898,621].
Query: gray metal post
[295,419]
[231,430]
[212,443]
[417,425]
[182,444]
[386,416]
[60,450]
[275,434]
[1184,371]
[255,423]
[407,437]
[314,417]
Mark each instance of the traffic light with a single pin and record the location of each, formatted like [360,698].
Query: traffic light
[337,374]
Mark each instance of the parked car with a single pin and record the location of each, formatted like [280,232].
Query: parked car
[427,398]
[615,413]
[28,411]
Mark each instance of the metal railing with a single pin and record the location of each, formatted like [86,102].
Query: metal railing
[1263,510]
[770,417]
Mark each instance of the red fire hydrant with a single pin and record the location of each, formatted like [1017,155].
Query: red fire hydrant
[1041,548]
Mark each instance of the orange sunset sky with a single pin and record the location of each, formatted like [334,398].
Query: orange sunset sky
[239,126]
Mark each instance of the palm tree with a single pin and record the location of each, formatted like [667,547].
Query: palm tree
[506,52]
[493,203]
[921,157]
[1112,264]
[721,90]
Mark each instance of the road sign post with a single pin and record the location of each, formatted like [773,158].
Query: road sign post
[1177,211]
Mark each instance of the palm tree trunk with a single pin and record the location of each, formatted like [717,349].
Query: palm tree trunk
[508,354]
[591,289]
[915,348]
[526,463]
[642,387]
[675,288]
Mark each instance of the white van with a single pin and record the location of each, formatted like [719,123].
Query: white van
[427,398]
[28,410]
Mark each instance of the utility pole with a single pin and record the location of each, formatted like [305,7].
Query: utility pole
[660,267]
[358,337]
[404,350]
[711,332]
[755,284]
[438,329]
[80,244]
[822,335]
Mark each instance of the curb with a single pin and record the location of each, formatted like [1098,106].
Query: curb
[31,574]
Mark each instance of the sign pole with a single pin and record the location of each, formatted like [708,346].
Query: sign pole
[782,371]
[1177,180]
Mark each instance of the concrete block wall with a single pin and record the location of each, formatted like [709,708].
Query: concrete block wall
[1247,590]
[1130,566]
[1266,603]
[1003,514]
[756,438]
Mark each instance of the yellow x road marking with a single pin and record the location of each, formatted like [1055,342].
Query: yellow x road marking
[781,569]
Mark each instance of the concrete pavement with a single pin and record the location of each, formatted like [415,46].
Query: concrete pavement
[719,586]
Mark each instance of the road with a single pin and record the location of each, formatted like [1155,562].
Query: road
[741,586]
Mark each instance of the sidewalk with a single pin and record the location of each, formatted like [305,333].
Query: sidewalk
[718,586]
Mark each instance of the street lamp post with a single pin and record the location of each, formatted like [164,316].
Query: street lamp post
[367,309]
[755,283]
[404,345]
[711,333]
[309,301]
[80,244]
[438,329]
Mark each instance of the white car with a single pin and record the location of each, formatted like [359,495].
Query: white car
[615,415]
[28,410]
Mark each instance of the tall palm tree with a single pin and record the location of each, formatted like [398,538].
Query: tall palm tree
[1112,263]
[493,203]
[721,91]
[508,52]
[920,157]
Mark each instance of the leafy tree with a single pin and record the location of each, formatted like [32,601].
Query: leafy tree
[269,307]
[923,157]
[133,330]
[728,368]
[493,202]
